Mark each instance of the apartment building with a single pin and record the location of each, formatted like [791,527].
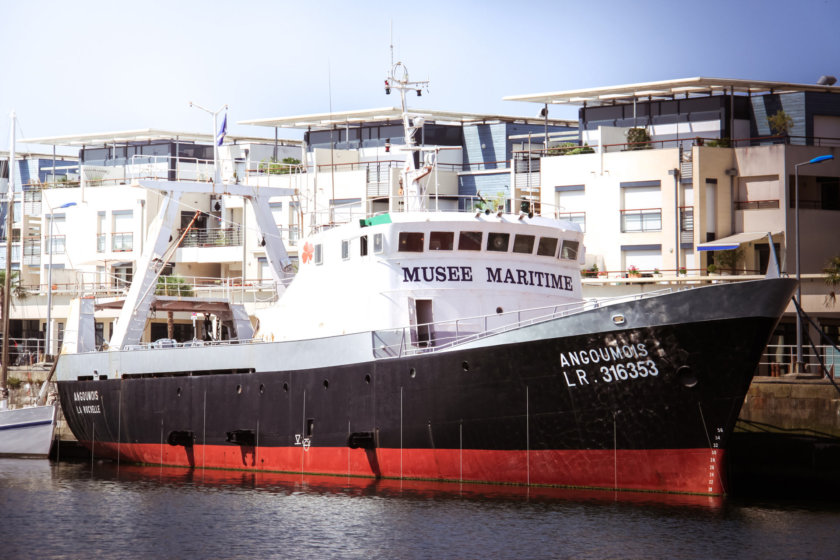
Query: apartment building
[711,174]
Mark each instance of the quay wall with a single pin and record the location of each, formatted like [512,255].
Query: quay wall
[781,404]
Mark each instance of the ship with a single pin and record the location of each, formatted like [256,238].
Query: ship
[415,344]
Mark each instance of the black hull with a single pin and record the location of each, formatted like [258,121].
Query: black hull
[641,408]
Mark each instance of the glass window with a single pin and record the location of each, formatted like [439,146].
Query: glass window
[363,248]
[547,246]
[377,243]
[523,244]
[498,241]
[319,256]
[441,241]
[569,249]
[345,249]
[95,154]
[469,241]
[412,241]
[155,149]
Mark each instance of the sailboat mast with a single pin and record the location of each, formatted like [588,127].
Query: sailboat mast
[7,283]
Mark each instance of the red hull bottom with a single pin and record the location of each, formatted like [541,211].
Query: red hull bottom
[697,471]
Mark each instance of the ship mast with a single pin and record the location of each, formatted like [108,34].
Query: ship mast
[413,193]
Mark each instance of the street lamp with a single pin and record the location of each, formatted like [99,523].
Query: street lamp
[215,142]
[818,159]
[51,248]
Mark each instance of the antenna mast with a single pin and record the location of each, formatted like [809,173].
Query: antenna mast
[399,80]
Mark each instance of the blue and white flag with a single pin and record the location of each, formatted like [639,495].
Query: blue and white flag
[220,137]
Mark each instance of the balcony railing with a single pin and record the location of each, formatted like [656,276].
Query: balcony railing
[644,219]
[778,359]
[212,237]
[31,251]
[756,204]
[57,246]
[577,218]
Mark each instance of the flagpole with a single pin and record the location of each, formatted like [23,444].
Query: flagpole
[216,134]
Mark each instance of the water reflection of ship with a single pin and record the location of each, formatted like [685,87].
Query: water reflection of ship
[287,483]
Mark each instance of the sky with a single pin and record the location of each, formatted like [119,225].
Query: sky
[92,66]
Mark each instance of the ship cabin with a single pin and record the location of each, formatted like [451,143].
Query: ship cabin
[436,274]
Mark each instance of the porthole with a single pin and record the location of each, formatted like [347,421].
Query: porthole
[367,379]
[178,392]
[412,373]
[499,310]
[286,387]
[326,384]
[262,388]
[239,389]
[465,365]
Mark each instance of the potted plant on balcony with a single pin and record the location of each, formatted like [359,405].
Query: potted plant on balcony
[728,260]
[591,272]
[682,271]
[780,123]
[712,269]
[633,272]
[657,273]
[638,139]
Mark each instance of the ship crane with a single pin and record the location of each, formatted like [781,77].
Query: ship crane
[132,318]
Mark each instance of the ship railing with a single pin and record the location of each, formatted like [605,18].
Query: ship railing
[195,343]
[432,337]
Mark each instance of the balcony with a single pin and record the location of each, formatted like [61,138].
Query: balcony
[211,237]
[644,219]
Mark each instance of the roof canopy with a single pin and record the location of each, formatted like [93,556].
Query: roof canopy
[141,135]
[326,121]
[733,241]
[664,90]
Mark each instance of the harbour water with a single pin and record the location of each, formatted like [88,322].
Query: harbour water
[105,510]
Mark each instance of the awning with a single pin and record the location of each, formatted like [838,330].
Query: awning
[734,241]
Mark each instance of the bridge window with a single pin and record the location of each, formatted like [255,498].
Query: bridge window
[345,249]
[441,241]
[498,241]
[412,241]
[569,250]
[377,243]
[318,258]
[469,241]
[523,244]
[547,246]
[363,248]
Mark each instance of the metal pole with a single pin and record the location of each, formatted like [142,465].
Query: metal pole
[215,152]
[677,220]
[798,366]
[47,328]
[7,284]
[818,159]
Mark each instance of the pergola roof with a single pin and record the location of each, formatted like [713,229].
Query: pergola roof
[325,121]
[664,90]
